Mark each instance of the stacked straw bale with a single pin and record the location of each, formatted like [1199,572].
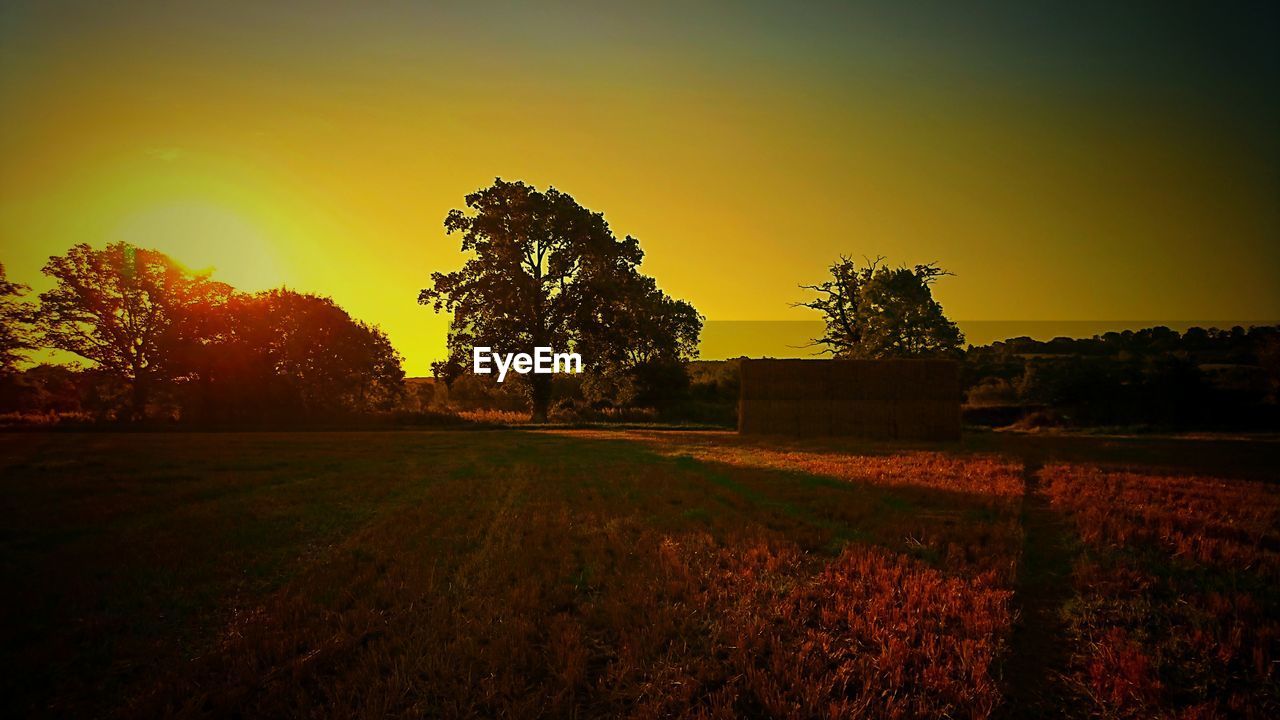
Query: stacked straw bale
[881,399]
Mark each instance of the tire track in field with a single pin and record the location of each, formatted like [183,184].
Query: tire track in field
[1033,666]
[495,538]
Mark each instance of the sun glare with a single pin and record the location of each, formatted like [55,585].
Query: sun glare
[204,235]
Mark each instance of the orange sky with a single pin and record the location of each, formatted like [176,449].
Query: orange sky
[1061,171]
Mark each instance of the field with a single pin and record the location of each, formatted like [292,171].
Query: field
[638,574]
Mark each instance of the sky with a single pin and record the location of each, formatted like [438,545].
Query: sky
[1067,161]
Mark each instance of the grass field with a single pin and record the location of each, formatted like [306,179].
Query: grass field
[635,574]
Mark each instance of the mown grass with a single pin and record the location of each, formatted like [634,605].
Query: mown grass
[1176,610]
[504,574]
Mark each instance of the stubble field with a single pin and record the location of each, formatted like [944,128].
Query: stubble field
[637,574]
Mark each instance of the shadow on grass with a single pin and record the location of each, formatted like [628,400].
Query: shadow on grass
[130,552]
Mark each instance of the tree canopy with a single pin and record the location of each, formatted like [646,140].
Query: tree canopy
[15,335]
[546,272]
[876,311]
[131,311]
[283,352]
[145,321]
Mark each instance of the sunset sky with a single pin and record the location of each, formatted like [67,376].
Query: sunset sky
[1067,163]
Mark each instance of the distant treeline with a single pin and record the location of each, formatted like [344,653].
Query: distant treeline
[1157,378]
[1236,345]
[1202,378]
[165,344]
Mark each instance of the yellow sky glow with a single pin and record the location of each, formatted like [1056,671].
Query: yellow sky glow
[329,168]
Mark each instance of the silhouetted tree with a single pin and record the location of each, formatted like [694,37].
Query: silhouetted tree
[546,271]
[15,317]
[282,353]
[129,310]
[875,311]
[639,340]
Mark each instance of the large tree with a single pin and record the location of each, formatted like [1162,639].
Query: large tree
[876,311]
[545,271]
[15,336]
[282,354]
[135,313]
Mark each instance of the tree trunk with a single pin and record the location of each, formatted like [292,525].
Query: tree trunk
[541,397]
[138,406]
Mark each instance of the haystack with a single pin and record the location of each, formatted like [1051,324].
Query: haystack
[881,399]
